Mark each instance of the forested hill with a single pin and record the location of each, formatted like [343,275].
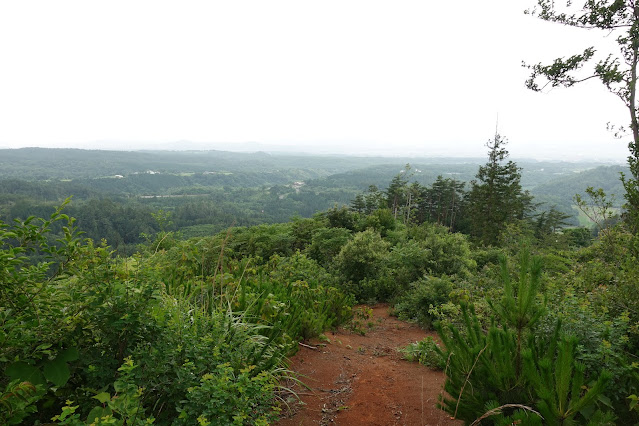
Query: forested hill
[116,193]
[425,172]
[565,187]
[42,163]
[55,163]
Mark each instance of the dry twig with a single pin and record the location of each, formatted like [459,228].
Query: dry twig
[498,410]
[467,378]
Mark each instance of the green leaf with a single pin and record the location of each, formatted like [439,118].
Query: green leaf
[103,397]
[57,372]
[98,413]
[605,400]
[43,347]
[119,386]
[27,373]
[70,354]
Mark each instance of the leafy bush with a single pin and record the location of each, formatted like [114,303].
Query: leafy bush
[362,258]
[326,243]
[123,408]
[420,299]
[449,253]
[209,329]
[408,262]
[226,397]
[425,352]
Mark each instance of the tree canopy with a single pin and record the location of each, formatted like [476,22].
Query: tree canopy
[617,71]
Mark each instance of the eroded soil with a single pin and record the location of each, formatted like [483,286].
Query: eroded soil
[362,379]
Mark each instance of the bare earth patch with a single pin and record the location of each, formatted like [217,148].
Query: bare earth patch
[363,380]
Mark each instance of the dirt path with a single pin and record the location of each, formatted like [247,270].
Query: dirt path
[363,380]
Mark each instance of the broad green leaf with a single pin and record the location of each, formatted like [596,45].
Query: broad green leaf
[27,373]
[57,372]
[70,354]
[103,397]
[98,413]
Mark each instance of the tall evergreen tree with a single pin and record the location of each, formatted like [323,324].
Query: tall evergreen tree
[496,197]
[397,191]
[358,204]
[443,202]
[374,199]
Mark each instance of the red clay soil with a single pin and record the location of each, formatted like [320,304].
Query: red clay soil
[363,380]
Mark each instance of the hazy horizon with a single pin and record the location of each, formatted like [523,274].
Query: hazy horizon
[364,77]
[282,149]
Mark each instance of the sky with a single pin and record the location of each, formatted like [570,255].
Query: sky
[401,77]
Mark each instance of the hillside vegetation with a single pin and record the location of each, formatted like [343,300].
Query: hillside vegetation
[115,194]
[192,323]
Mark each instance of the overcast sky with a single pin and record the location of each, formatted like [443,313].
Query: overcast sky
[398,77]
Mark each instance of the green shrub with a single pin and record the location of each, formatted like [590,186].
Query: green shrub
[362,256]
[326,243]
[228,397]
[420,299]
[425,352]
[449,253]
[198,323]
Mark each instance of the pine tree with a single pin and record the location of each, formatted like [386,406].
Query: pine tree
[444,200]
[558,380]
[374,199]
[509,373]
[487,367]
[397,191]
[496,197]
[358,204]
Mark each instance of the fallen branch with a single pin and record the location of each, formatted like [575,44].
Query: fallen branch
[308,346]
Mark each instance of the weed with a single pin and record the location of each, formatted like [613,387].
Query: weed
[424,352]
[362,320]
[323,338]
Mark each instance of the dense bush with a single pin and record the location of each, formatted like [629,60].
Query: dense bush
[423,296]
[361,258]
[197,330]
[450,253]
[183,332]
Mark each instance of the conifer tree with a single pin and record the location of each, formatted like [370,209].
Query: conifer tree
[397,191]
[558,381]
[358,204]
[444,201]
[509,373]
[374,199]
[486,367]
[496,197]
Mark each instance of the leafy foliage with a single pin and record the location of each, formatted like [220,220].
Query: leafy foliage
[617,72]
[421,298]
[425,352]
[210,320]
[71,325]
